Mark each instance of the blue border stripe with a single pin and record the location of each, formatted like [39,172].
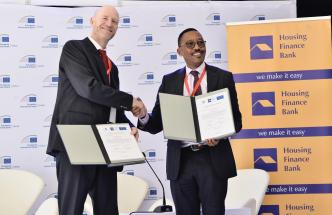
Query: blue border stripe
[299,189]
[283,76]
[284,132]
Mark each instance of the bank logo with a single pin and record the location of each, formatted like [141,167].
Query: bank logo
[5,162]
[51,80]
[76,22]
[151,155]
[266,159]
[152,193]
[261,47]
[30,100]
[4,81]
[269,210]
[170,58]
[51,41]
[146,78]
[263,103]
[129,172]
[213,19]
[258,18]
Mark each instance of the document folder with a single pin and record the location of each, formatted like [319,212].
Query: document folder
[198,118]
[109,144]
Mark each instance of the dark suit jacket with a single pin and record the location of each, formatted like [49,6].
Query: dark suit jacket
[221,155]
[84,95]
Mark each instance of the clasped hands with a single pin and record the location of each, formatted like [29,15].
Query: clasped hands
[138,109]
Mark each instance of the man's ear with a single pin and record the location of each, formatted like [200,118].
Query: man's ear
[178,50]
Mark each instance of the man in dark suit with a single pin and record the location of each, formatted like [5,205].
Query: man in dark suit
[88,93]
[198,172]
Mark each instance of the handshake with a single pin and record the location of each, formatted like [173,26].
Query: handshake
[139,110]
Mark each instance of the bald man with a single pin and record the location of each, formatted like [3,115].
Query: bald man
[88,93]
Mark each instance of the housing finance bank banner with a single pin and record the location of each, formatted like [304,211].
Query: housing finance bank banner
[283,71]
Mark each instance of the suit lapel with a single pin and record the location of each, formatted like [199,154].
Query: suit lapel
[98,67]
[179,81]
[212,79]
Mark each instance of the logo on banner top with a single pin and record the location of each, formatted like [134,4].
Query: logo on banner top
[263,103]
[215,57]
[171,58]
[258,17]
[126,22]
[76,22]
[213,19]
[29,62]
[266,159]
[51,80]
[30,100]
[269,209]
[28,22]
[146,40]
[30,141]
[51,41]
[125,60]
[261,47]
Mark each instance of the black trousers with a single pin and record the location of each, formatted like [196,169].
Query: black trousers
[76,181]
[198,187]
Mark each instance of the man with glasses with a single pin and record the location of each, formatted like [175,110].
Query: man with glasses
[198,172]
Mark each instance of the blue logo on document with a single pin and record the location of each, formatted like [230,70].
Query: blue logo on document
[213,19]
[258,18]
[266,159]
[269,209]
[51,80]
[261,47]
[263,103]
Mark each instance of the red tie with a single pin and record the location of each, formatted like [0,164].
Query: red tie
[199,89]
[107,62]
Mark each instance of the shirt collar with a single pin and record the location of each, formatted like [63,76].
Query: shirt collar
[95,43]
[198,69]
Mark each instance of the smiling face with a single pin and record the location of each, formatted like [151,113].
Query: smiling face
[104,24]
[192,49]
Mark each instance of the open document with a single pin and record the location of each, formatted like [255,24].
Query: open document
[110,144]
[199,118]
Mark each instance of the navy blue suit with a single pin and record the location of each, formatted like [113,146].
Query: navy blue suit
[218,159]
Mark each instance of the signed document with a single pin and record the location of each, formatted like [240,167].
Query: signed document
[110,144]
[199,118]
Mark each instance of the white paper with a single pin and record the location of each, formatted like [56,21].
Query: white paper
[120,145]
[215,115]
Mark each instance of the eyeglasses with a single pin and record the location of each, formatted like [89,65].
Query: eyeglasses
[191,44]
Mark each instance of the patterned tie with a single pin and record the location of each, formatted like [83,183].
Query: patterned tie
[199,89]
[104,57]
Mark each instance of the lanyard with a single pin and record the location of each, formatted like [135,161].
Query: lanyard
[196,85]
